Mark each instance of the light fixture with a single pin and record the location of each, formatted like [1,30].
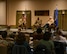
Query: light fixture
[63,12]
[23,12]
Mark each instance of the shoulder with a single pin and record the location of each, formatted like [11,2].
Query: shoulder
[51,43]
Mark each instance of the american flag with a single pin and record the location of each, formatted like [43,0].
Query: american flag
[56,17]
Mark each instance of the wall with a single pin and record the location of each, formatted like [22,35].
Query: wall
[13,6]
[2,13]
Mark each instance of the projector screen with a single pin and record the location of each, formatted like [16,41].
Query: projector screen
[2,13]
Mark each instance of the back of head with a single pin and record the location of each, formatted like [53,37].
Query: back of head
[47,36]
[39,30]
[20,39]
[4,34]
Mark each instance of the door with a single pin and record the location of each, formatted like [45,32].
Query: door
[62,19]
[28,17]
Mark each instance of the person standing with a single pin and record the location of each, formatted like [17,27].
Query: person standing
[22,22]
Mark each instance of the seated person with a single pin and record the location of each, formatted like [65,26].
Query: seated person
[49,22]
[21,40]
[3,41]
[47,42]
[59,37]
[38,23]
[38,34]
[8,30]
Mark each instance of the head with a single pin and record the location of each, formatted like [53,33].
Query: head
[50,17]
[4,34]
[38,18]
[20,39]
[47,36]
[39,30]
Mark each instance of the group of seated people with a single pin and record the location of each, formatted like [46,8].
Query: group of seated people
[52,34]
[14,40]
[46,38]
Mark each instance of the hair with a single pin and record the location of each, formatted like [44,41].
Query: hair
[39,30]
[47,36]
[20,39]
[4,34]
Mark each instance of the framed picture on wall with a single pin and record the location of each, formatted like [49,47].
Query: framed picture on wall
[41,12]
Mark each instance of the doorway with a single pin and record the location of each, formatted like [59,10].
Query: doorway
[62,19]
[28,17]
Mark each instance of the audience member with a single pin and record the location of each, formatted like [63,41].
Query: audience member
[52,29]
[21,40]
[47,42]
[47,28]
[59,37]
[0,37]
[6,40]
[38,34]
[8,30]
[3,41]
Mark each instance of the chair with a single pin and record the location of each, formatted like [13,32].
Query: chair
[19,49]
[59,47]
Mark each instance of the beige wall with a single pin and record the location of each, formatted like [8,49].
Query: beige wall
[13,6]
[2,13]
